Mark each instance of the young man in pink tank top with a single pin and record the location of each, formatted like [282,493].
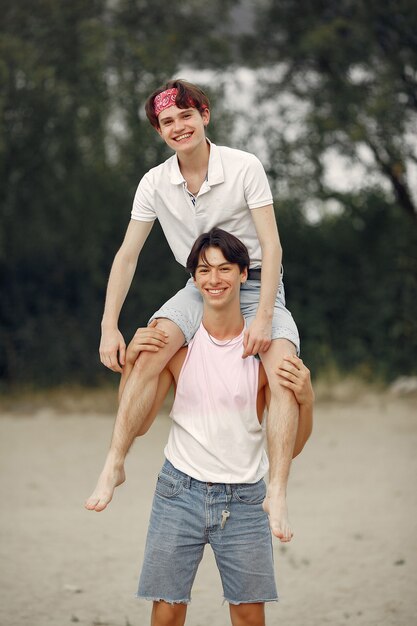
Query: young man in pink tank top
[211,488]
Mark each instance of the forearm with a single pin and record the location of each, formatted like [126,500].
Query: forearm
[122,271]
[267,231]
[271,271]
[120,279]
[305,427]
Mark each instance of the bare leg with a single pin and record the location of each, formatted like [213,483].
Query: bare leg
[165,614]
[135,404]
[282,427]
[251,614]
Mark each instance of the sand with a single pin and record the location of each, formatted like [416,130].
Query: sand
[353,506]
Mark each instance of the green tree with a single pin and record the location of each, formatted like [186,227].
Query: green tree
[351,284]
[345,72]
[74,76]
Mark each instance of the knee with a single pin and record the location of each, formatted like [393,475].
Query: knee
[252,614]
[278,391]
[149,364]
[282,399]
[165,614]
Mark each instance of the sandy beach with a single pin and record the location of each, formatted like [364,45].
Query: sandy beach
[353,507]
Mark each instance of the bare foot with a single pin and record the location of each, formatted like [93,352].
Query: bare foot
[276,507]
[111,477]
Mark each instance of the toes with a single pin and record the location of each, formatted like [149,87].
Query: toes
[98,503]
[101,505]
[278,533]
[91,503]
[283,536]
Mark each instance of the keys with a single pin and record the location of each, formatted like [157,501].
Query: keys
[225,517]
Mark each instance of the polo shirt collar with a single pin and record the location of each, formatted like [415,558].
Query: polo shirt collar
[215,168]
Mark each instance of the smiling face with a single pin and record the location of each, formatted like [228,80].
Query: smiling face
[183,129]
[218,280]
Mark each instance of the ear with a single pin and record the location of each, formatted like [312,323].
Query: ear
[206,116]
[244,275]
[158,130]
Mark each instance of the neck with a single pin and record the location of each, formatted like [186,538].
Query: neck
[196,159]
[223,324]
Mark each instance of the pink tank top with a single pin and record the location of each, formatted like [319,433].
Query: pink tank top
[215,433]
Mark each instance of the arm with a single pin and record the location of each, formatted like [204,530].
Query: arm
[305,426]
[294,375]
[112,344]
[258,335]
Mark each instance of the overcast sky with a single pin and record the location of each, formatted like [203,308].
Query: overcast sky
[241,90]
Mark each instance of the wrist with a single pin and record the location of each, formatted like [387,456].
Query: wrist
[109,324]
[115,457]
[265,317]
[306,404]
[276,489]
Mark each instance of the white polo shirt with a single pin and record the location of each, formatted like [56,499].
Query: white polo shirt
[236,183]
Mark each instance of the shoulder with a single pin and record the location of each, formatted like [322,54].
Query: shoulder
[159,171]
[237,156]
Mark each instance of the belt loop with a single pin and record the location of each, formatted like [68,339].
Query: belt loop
[229,493]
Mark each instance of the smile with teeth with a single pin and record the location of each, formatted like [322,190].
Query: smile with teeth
[185,136]
[215,291]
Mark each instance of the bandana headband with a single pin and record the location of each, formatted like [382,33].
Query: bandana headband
[164,100]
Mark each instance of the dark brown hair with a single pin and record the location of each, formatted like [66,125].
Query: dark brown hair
[189,95]
[232,248]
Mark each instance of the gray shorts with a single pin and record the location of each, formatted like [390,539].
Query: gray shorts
[185,309]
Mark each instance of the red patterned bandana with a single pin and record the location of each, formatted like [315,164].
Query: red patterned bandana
[164,100]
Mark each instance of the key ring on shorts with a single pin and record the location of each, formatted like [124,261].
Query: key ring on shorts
[226,512]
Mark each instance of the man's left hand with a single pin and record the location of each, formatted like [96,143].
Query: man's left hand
[257,337]
[294,375]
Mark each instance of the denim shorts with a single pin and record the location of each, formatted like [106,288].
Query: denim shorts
[185,309]
[186,515]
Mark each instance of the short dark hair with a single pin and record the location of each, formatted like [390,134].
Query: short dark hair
[232,248]
[189,95]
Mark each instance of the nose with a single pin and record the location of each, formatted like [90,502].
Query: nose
[214,277]
[178,125]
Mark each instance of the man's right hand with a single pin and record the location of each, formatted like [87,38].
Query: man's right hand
[112,349]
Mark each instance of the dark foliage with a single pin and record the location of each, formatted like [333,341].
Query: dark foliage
[74,144]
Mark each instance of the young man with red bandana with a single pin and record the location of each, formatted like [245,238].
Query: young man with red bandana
[202,186]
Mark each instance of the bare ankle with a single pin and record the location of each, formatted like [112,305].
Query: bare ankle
[277,491]
[114,460]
